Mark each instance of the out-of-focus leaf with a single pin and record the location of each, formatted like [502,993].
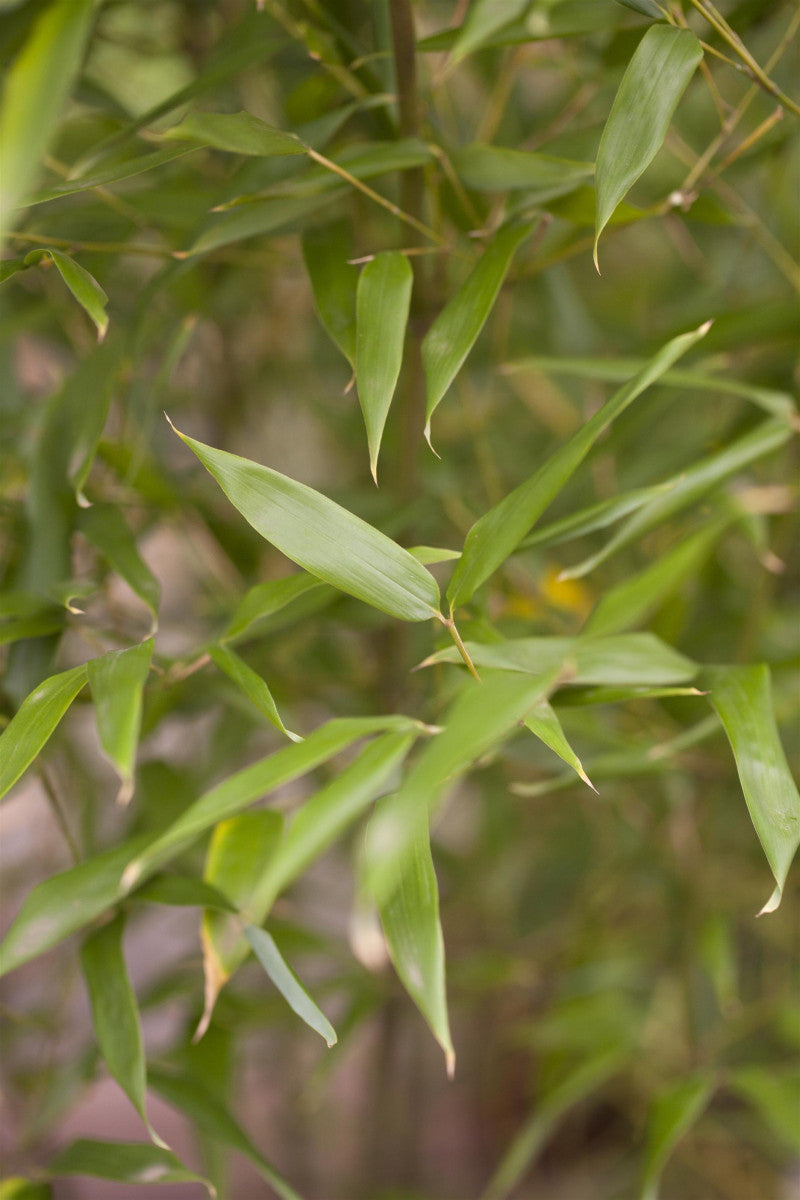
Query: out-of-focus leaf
[334,282]
[115,1014]
[673,1114]
[182,891]
[84,287]
[653,83]
[323,537]
[105,527]
[117,680]
[124,1162]
[578,697]
[9,267]
[49,621]
[483,19]
[629,659]
[88,398]
[648,8]
[410,920]
[31,726]
[298,999]
[36,90]
[23,1189]
[235,133]
[203,1108]
[251,684]
[742,698]
[264,599]
[502,169]
[775,1092]
[683,489]
[497,533]
[596,516]
[452,335]
[113,172]
[544,723]
[382,304]
[543,21]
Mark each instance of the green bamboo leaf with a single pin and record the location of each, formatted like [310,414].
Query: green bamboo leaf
[499,531]
[264,599]
[483,20]
[382,304]
[88,400]
[648,8]
[31,726]
[251,684]
[9,267]
[774,1092]
[23,1189]
[84,287]
[502,169]
[433,554]
[654,81]
[205,1111]
[16,630]
[673,1114]
[298,999]
[320,536]
[115,1014]
[596,516]
[742,698]
[36,90]
[117,680]
[544,723]
[182,891]
[235,133]
[413,932]
[578,697]
[452,335]
[112,172]
[334,282]
[124,1162]
[105,527]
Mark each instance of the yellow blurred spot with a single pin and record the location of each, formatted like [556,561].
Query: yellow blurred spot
[569,594]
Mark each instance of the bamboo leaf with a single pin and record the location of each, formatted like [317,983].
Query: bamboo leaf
[334,282]
[452,335]
[382,304]
[502,169]
[499,531]
[742,698]
[36,90]
[774,1092]
[105,527]
[323,537]
[544,723]
[84,287]
[251,684]
[117,680]
[264,599]
[596,516]
[32,725]
[115,1014]
[673,1114]
[17,1188]
[235,133]
[484,18]
[182,891]
[655,79]
[298,999]
[124,1162]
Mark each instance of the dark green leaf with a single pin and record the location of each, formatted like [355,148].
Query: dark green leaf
[84,287]
[334,282]
[106,528]
[235,133]
[382,304]
[30,728]
[674,1113]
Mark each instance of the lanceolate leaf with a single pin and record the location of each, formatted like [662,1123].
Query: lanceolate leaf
[106,528]
[236,133]
[656,78]
[323,537]
[298,999]
[742,697]
[384,295]
[124,1162]
[452,335]
[334,282]
[673,1114]
[483,19]
[84,287]
[264,599]
[500,169]
[251,684]
[492,538]
[30,727]
[117,680]
[544,723]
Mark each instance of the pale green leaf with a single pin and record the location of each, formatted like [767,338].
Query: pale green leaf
[544,723]
[499,531]
[653,83]
[382,304]
[742,698]
[673,1114]
[31,726]
[105,527]
[117,680]
[251,684]
[484,18]
[264,599]
[123,1162]
[323,537]
[596,516]
[17,1188]
[452,335]
[433,554]
[298,999]
[334,282]
[84,287]
[235,133]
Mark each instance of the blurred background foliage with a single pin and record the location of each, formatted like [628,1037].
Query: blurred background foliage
[611,995]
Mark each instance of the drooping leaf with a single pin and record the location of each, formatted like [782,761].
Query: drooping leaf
[382,304]
[452,335]
[251,684]
[115,1013]
[37,86]
[774,1091]
[322,537]
[544,723]
[483,19]
[295,995]
[84,287]
[105,527]
[117,680]
[673,1114]
[653,83]
[31,726]
[334,282]
[265,599]
[89,399]
[742,698]
[124,1162]
[235,133]
[497,533]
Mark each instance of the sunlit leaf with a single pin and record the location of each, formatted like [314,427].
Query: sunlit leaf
[235,133]
[105,527]
[298,999]
[742,698]
[492,538]
[32,725]
[382,304]
[452,335]
[123,1162]
[251,684]
[84,287]
[655,79]
[673,1114]
[117,680]
[544,723]
[323,537]
[334,282]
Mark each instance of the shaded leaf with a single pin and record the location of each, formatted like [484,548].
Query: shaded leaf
[32,725]
[84,287]
[23,1189]
[648,8]
[251,684]
[775,1092]
[596,516]
[742,698]
[673,1114]
[117,680]
[484,18]
[501,169]
[182,891]
[271,959]
[382,304]
[105,527]
[264,599]
[235,133]
[334,282]
[544,723]
[123,1162]
[113,172]
[653,83]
